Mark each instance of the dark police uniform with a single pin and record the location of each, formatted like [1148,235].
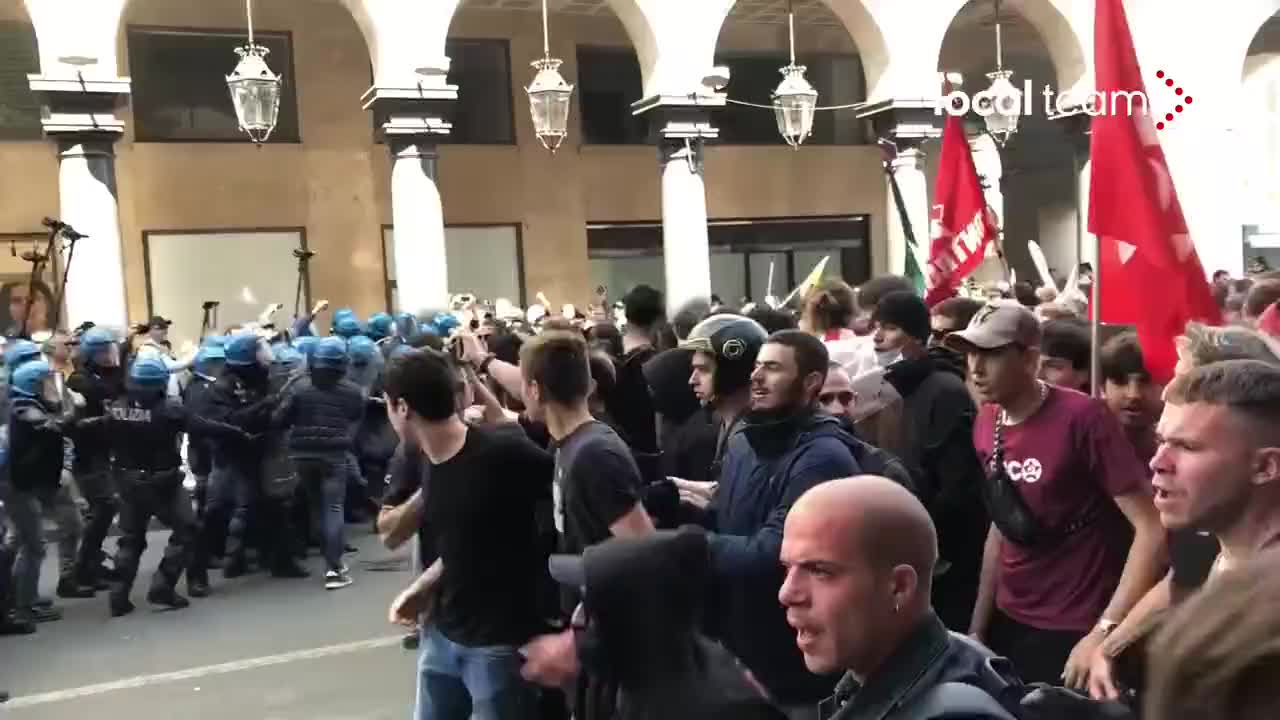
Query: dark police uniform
[142,432]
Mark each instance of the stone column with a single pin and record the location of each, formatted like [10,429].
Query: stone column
[422,273]
[95,268]
[686,251]
[683,127]
[418,118]
[79,117]
[906,125]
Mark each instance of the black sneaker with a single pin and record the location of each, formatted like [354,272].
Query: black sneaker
[168,597]
[42,614]
[14,623]
[71,589]
[44,602]
[120,603]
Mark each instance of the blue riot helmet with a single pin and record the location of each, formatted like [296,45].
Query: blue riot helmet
[342,314]
[149,374]
[347,327]
[99,348]
[406,324]
[445,324]
[427,329]
[284,353]
[362,350]
[20,352]
[306,345]
[242,350]
[331,353]
[214,341]
[380,326]
[29,379]
[210,360]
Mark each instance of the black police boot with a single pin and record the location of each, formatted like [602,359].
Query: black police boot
[69,587]
[198,584]
[167,596]
[44,613]
[234,567]
[119,602]
[15,623]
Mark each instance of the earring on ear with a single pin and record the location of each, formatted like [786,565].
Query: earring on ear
[896,607]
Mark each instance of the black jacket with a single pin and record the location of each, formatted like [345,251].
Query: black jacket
[322,412]
[630,404]
[142,429]
[92,453]
[643,603]
[903,688]
[937,447]
[35,444]
[199,445]
[242,399]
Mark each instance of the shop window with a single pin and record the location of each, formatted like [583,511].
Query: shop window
[180,85]
[746,255]
[188,268]
[484,261]
[19,109]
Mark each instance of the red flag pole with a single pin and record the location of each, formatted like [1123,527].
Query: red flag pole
[1095,321]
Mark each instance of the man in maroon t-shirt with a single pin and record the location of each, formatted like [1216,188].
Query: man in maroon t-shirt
[1048,606]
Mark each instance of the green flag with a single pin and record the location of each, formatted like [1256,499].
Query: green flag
[911,265]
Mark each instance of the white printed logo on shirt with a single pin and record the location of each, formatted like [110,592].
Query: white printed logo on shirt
[558,498]
[1027,471]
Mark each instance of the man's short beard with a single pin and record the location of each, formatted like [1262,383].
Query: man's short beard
[1222,517]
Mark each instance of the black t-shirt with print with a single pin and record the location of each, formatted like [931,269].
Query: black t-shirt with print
[481,513]
[597,482]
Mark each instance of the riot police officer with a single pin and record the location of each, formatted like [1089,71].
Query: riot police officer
[241,397]
[141,429]
[99,378]
[209,364]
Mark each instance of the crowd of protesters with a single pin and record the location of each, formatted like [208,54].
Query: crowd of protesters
[864,507]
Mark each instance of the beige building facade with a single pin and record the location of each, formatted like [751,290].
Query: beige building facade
[332,189]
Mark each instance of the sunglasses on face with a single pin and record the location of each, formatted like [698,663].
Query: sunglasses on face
[845,398]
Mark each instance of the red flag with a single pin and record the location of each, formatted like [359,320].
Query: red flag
[961,225]
[1151,276]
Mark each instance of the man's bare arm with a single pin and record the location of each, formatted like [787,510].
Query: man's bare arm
[397,524]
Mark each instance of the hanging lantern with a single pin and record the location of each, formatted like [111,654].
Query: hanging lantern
[255,90]
[549,98]
[255,93]
[1001,106]
[794,103]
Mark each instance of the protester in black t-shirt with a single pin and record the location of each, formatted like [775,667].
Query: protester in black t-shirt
[630,403]
[597,490]
[481,514]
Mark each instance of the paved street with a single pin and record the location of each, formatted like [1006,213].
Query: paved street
[257,649]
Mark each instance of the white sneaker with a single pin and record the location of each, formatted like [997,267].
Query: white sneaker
[337,579]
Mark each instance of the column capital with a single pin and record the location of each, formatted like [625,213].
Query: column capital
[680,117]
[81,107]
[1076,124]
[413,112]
[908,122]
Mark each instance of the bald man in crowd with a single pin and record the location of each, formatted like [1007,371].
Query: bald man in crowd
[860,555]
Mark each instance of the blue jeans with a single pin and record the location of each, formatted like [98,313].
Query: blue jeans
[25,540]
[326,485]
[456,682]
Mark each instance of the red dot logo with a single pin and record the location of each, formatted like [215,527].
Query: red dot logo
[1185,99]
